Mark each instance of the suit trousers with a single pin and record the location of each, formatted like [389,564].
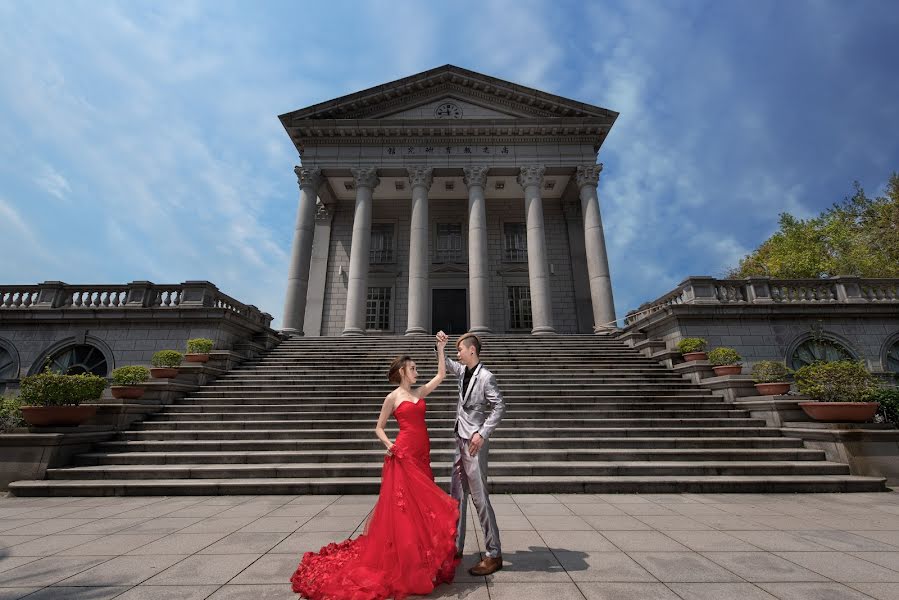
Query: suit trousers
[470,478]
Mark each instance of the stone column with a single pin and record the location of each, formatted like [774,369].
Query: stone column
[530,179]
[420,178]
[478,277]
[301,252]
[587,179]
[366,180]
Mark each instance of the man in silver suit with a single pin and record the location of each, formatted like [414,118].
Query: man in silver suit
[478,411]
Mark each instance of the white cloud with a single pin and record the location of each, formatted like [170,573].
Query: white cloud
[52,181]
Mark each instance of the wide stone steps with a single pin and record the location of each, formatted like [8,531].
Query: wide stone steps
[436,415]
[538,411]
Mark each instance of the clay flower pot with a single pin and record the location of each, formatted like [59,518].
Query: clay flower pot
[196,358]
[853,412]
[695,356]
[127,392]
[727,369]
[774,388]
[164,372]
[58,416]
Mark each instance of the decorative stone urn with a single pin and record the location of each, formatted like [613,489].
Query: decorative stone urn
[852,412]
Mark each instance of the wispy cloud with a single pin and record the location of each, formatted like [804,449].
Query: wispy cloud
[52,182]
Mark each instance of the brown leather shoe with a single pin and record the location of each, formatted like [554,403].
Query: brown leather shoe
[487,566]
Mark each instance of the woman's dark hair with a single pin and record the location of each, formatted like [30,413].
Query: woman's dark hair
[393,375]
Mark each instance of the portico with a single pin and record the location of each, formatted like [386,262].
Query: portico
[448,185]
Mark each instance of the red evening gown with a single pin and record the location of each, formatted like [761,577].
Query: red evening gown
[409,544]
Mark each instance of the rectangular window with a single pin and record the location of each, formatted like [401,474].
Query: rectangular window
[520,307]
[381,244]
[377,309]
[515,242]
[449,242]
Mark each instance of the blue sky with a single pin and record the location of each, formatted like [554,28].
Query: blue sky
[140,140]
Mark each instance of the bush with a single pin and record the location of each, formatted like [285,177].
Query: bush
[10,413]
[199,346]
[167,358]
[837,381]
[889,404]
[55,389]
[691,345]
[770,371]
[132,375]
[724,356]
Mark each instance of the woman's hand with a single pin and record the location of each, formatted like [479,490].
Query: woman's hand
[441,340]
[390,450]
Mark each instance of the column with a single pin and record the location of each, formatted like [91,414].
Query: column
[301,251]
[530,178]
[478,277]
[587,179]
[420,178]
[366,180]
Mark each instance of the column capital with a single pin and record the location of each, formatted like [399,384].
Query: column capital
[308,178]
[421,176]
[476,175]
[366,177]
[322,213]
[531,175]
[588,175]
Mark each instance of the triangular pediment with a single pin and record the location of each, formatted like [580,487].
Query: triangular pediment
[456,106]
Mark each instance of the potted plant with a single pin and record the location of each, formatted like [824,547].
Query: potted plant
[10,414]
[127,382]
[693,348]
[725,361]
[770,378]
[842,391]
[888,397]
[165,364]
[198,350]
[52,399]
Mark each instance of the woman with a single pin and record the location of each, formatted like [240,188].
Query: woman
[409,544]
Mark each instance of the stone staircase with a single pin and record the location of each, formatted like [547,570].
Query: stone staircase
[584,414]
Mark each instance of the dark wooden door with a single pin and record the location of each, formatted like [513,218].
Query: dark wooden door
[449,311]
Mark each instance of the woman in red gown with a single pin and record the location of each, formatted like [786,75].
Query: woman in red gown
[409,544]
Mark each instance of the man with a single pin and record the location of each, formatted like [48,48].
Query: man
[479,410]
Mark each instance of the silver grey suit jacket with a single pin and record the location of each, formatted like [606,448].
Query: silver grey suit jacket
[482,408]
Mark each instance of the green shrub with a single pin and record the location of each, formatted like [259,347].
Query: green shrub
[131,375]
[55,389]
[167,358]
[770,371]
[691,345]
[199,346]
[837,381]
[724,356]
[10,413]
[889,404]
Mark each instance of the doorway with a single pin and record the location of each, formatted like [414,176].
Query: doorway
[449,311]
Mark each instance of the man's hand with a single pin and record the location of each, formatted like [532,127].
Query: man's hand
[441,340]
[474,445]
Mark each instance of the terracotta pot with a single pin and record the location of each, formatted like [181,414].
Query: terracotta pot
[163,372]
[727,369]
[695,356]
[774,388]
[58,416]
[854,412]
[200,358]
[127,392]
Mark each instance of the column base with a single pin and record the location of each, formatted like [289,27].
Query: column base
[480,329]
[417,331]
[544,330]
[609,330]
[353,331]
[291,332]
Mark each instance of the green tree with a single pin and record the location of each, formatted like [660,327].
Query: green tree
[859,236]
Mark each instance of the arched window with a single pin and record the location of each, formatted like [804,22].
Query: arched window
[892,358]
[80,358]
[9,367]
[818,350]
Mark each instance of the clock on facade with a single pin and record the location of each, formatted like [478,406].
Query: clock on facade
[448,110]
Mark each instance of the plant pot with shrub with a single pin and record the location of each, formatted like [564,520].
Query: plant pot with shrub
[165,364]
[10,414]
[198,350]
[842,391]
[770,378]
[725,361]
[888,398]
[693,348]
[127,382]
[51,399]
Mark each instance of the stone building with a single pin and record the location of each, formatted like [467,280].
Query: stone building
[448,200]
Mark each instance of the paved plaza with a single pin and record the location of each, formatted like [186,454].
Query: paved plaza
[598,547]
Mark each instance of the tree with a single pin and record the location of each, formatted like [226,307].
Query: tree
[859,236]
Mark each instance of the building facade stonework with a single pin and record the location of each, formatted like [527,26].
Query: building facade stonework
[448,200]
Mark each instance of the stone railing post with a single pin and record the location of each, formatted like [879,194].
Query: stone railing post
[849,289]
[198,293]
[51,294]
[141,294]
[699,290]
[758,290]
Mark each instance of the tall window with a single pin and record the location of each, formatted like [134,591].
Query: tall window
[515,242]
[449,242]
[520,307]
[377,309]
[381,243]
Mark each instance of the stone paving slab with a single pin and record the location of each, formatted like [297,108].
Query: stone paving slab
[585,547]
